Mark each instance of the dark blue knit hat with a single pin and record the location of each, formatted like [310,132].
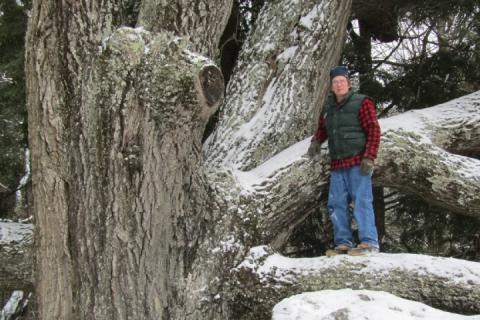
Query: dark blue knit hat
[339,71]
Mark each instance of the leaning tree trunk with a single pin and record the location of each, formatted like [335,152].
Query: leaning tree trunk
[131,223]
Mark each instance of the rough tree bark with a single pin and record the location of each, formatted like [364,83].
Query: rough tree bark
[131,223]
[116,161]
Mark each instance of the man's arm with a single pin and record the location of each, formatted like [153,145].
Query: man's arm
[369,123]
[320,134]
[318,138]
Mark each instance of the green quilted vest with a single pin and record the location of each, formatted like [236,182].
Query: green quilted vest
[346,137]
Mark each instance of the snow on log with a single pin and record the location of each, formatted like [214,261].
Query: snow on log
[265,278]
[16,256]
[421,152]
[278,85]
[350,304]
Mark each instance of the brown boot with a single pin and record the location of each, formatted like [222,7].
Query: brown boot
[340,249]
[363,249]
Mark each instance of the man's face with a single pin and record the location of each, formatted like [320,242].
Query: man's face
[340,86]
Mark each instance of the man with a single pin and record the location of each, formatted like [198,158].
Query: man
[349,122]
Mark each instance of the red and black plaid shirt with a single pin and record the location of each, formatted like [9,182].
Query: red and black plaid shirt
[369,123]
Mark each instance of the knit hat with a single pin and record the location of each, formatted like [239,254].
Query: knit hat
[339,71]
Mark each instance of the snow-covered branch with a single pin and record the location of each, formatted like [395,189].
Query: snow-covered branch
[265,278]
[278,85]
[421,152]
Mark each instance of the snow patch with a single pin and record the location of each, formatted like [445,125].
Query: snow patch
[357,305]
[287,54]
[248,179]
[315,14]
[12,305]
[14,232]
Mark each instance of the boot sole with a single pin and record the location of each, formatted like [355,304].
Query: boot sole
[361,252]
[332,253]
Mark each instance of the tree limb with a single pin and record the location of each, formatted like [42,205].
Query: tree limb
[266,278]
[278,88]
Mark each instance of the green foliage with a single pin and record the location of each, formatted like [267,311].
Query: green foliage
[425,78]
[433,80]
[419,227]
[13,21]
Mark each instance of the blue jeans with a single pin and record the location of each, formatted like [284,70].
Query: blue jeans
[349,186]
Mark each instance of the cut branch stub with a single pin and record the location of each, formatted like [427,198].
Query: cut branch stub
[212,82]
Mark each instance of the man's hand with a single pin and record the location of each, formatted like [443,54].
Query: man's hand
[366,167]
[314,148]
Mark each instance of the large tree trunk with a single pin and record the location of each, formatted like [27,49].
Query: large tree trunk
[117,178]
[130,223]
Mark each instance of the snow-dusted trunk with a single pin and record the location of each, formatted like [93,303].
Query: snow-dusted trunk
[116,119]
[427,151]
[280,82]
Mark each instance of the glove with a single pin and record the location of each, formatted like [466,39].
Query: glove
[366,167]
[314,148]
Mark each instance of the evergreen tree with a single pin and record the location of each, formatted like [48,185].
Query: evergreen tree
[13,21]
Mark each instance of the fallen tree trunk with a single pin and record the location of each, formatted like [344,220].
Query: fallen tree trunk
[265,278]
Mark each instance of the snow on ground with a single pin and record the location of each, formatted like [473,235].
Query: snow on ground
[357,305]
[14,232]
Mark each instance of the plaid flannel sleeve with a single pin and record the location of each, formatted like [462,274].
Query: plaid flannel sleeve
[321,132]
[369,123]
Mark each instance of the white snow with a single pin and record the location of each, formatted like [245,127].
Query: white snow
[357,305]
[455,111]
[14,232]
[307,20]
[24,179]
[12,305]
[287,54]
[283,159]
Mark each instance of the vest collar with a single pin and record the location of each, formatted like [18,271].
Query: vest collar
[344,101]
